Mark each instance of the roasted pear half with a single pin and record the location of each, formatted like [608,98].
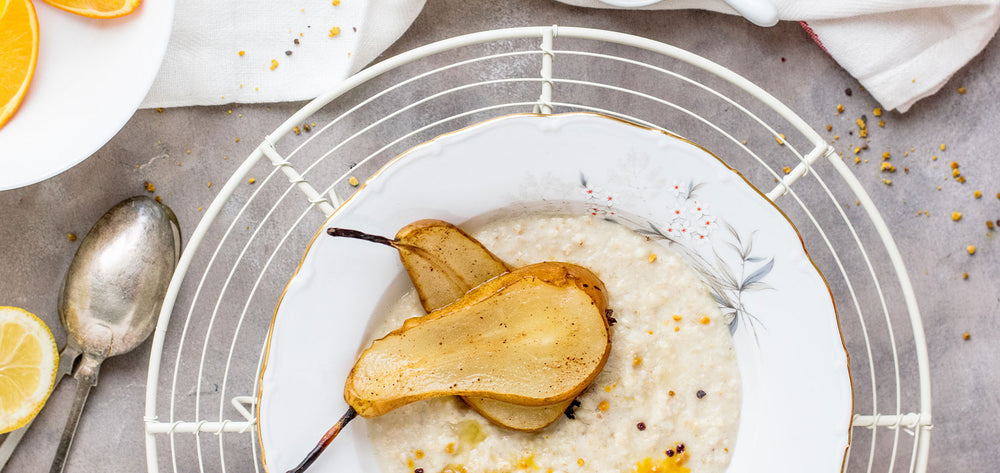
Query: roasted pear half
[534,336]
[443,263]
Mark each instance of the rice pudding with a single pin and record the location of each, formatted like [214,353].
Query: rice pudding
[667,400]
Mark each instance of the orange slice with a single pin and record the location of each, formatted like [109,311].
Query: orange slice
[18,53]
[96,8]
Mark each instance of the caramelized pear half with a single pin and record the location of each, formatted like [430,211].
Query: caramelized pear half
[534,336]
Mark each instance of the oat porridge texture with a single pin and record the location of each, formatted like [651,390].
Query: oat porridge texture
[667,400]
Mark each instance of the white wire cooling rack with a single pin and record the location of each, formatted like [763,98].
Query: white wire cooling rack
[209,343]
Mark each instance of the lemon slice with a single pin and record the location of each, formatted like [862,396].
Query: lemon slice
[28,362]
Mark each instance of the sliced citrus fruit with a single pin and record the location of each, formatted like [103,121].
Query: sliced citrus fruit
[18,53]
[96,8]
[28,362]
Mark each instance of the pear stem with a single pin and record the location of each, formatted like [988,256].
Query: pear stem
[325,441]
[348,233]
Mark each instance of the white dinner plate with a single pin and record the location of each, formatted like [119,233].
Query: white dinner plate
[91,76]
[796,388]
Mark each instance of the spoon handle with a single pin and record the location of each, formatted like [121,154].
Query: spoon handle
[86,378]
[67,357]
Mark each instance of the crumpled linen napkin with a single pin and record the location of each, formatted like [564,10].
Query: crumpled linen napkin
[222,51]
[900,50]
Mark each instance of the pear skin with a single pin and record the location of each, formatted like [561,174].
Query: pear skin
[534,336]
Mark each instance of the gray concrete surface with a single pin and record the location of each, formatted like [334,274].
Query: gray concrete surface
[35,250]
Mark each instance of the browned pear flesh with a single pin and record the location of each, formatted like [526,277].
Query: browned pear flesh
[534,336]
[443,263]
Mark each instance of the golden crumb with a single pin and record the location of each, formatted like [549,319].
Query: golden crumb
[188,151]
[637,361]
[652,257]
[960,179]
[881,123]
[933,158]
[149,186]
[961,90]
[158,199]
[857,160]
[885,155]
[977,194]
[229,112]
[863,133]
[450,448]
[840,108]
[955,172]
[336,2]
[860,123]
[989,224]
[942,147]
[71,236]
[954,164]
[888,167]
[418,454]
[887,182]
[857,149]
[780,139]
[297,130]
[705,320]
[971,249]
[251,180]
[965,275]
[677,317]
[956,216]
[786,170]
[353,181]
[877,112]
[966,336]
[274,64]
[209,183]
[241,53]
[603,406]
[677,328]
[159,110]
[829,127]
[579,461]
[199,209]
[334,32]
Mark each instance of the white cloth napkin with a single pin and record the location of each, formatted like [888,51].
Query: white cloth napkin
[203,64]
[900,50]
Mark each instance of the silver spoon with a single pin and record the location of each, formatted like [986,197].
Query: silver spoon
[113,291]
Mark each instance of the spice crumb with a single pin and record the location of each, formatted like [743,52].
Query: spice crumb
[965,275]
[353,181]
[961,90]
[989,225]
[297,131]
[641,426]
[671,393]
[288,52]
[829,127]
[71,236]
[159,110]
[158,199]
[701,394]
